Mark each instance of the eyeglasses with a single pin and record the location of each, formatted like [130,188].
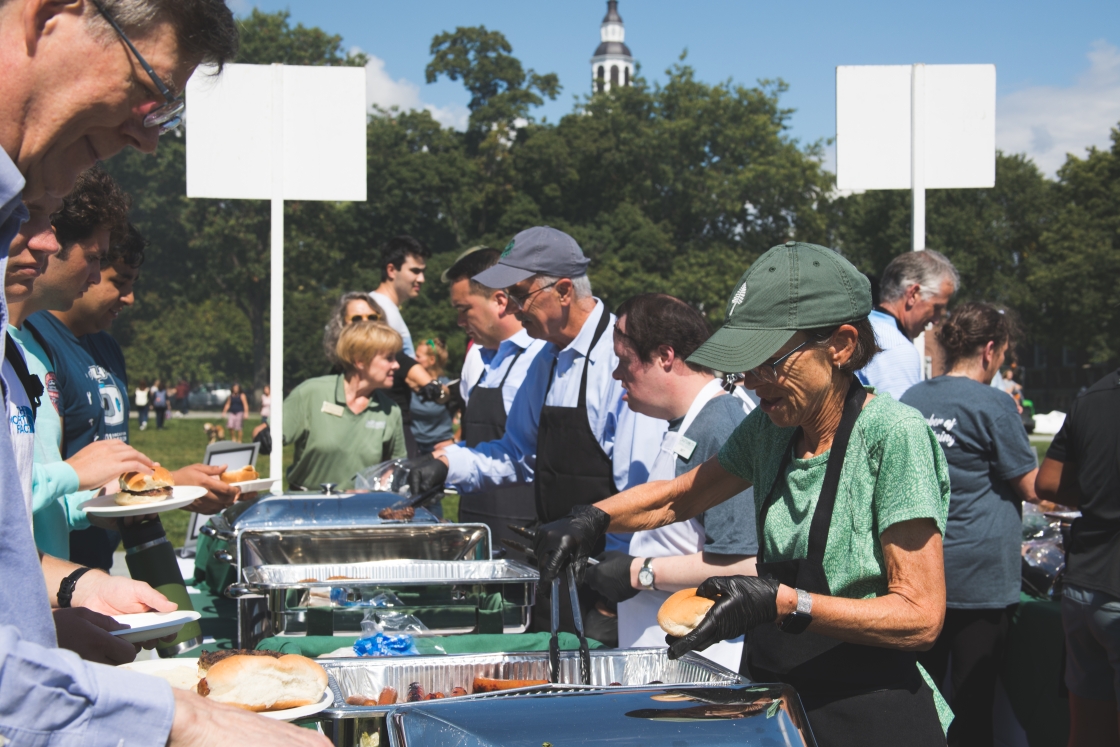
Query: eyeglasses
[767,373]
[169,115]
[365,318]
[520,301]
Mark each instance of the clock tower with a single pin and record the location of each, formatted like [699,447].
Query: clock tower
[612,65]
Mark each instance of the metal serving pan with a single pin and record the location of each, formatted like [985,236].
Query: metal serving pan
[403,572]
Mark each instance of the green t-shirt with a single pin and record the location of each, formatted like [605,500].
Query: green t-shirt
[894,471]
[332,444]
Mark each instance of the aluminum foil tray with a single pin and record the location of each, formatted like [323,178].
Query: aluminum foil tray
[631,667]
[391,572]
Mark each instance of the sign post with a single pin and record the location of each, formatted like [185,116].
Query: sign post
[311,146]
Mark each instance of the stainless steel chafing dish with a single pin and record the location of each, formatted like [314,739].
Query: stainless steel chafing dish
[444,595]
[314,529]
[631,668]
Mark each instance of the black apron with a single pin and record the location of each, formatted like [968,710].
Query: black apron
[854,694]
[572,470]
[485,420]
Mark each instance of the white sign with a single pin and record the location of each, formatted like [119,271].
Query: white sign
[875,127]
[232,142]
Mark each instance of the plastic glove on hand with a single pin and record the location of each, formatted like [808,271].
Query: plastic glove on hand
[427,473]
[742,604]
[611,577]
[570,540]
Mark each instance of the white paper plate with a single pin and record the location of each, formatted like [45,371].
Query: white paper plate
[105,505]
[253,486]
[291,714]
[145,626]
[163,667]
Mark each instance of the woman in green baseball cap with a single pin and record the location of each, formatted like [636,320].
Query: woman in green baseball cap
[852,495]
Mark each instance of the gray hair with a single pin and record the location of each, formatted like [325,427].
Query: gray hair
[927,269]
[205,30]
[581,286]
[337,321]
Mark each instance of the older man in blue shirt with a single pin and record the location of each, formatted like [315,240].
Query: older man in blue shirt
[76,90]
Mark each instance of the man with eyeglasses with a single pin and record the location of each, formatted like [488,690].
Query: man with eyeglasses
[569,431]
[81,81]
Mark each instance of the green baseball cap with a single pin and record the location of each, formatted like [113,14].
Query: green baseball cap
[791,287]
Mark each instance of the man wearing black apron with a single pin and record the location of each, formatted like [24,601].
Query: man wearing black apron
[507,352]
[568,431]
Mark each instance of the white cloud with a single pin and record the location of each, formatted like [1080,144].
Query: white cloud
[1047,122]
[382,90]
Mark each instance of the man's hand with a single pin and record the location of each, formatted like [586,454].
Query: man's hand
[219,495]
[425,473]
[611,577]
[86,633]
[118,595]
[199,722]
[742,604]
[569,540]
[102,462]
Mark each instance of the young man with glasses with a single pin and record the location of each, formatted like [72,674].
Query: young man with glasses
[74,93]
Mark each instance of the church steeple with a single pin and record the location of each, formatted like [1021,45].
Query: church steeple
[612,65]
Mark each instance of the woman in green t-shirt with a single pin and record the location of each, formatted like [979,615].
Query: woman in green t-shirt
[851,493]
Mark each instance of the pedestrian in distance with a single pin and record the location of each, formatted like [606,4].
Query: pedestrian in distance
[235,409]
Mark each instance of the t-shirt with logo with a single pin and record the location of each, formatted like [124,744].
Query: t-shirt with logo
[93,401]
[106,352]
[986,446]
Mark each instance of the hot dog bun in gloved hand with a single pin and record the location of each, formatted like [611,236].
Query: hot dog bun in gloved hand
[742,603]
[611,577]
[571,540]
[425,473]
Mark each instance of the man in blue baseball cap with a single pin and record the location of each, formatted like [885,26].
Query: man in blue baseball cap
[569,431]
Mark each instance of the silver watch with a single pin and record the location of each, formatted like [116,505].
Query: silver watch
[645,575]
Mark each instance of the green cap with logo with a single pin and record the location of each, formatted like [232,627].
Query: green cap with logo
[791,287]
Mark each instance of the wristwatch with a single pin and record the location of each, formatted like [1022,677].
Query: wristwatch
[66,588]
[645,575]
[799,619]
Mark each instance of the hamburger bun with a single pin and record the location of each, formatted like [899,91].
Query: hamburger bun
[138,488]
[262,683]
[682,612]
[240,475]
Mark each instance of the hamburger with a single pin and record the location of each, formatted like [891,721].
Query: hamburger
[138,488]
[682,612]
[264,683]
[240,475]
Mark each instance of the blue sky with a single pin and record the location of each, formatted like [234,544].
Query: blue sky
[1057,64]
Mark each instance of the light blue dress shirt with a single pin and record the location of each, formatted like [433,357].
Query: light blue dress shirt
[497,362]
[899,366]
[47,695]
[629,439]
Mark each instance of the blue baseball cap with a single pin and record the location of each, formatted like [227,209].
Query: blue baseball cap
[540,250]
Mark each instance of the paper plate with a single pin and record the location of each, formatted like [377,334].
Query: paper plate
[291,714]
[253,486]
[169,669]
[145,626]
[106,505]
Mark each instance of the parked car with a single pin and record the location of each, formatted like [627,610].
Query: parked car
[210,396]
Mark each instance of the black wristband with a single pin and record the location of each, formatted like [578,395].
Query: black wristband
[66,588]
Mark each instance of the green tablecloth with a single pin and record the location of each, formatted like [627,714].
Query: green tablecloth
[1033,670]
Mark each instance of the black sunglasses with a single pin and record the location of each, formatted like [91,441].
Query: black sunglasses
[167,116]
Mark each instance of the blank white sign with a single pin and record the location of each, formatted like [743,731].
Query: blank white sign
[231,146]
[873,105]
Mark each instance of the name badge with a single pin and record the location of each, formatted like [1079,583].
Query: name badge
[375,425]
[332,409]
[685,446]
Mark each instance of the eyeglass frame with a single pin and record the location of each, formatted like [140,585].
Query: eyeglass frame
[521,301]
[171,111]
[772,377]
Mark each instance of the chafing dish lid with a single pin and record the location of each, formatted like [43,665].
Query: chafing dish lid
[681,715]
[315,509]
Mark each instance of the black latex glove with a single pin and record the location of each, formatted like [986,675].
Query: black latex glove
[742,604]
[431,392]
[425,473]
[570,540]
[611,577]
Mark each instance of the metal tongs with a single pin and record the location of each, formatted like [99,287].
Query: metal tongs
[554,640]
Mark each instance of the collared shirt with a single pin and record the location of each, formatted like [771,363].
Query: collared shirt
[629,439]
[332,444]
[471,372]
[899,366]
[497,362]
[394,319]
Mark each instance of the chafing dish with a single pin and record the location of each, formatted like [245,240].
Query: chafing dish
[446,596]
[311,529]
[711,692]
